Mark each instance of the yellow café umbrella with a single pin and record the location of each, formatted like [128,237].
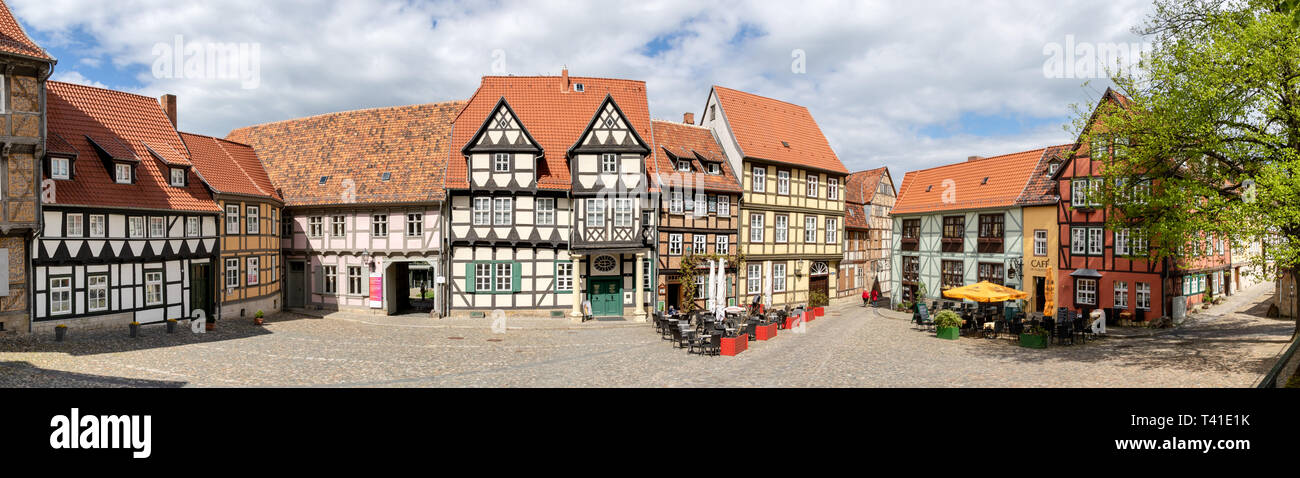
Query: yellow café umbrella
[985,292]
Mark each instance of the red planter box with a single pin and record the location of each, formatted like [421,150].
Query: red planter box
[732,346]
[820,311]
[808,316]
[765,332]
[789,323]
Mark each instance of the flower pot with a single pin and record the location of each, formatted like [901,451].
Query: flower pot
[1033,341]
[819,311]
[731,346]
[171,326]
[258,320]
[809,316]
[210,326]
[948,333]
[59,332]
[135,330]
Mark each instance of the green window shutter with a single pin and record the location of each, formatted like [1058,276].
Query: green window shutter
[514,277]
[470,282]
[318,280]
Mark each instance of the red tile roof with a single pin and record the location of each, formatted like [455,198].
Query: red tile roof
[860,187]
[761,124]
[555,115]
[1041,189]
[128,126]
[929,190]
[685,141]
[354,149]
[229,167]
[13,39]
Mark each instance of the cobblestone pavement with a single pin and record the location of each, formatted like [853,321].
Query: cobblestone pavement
[851,346]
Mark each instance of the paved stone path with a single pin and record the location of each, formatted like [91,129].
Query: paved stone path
[850,347]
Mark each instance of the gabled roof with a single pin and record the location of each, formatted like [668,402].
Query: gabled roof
[352,150]
[229,167]
[553,113]
[777,131]
[523,143]
[690,143]
[1109,96]
[978,183]
[130,125]
[855,216]
[1041,189]
[860,187]
[14,40]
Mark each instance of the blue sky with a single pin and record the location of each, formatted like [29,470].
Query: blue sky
[904,84]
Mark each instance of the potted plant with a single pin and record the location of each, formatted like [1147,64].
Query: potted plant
[259,318]
[210,324]
[171,326]
[59,331]
[1034,337]
[818,301]
[947,325]
[135,329]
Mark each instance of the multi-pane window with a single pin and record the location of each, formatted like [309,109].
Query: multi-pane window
[123,175]
[153,288]
[59,168]
[1121,294]
[157,227]
[810,229]
[1096,241]
[1139,242]
[414,224]
[622,213]
[546,211]
[646,273]
[952,272]
[74,226]
[754,280]
[1040,242]
[315,228]
[60,295]
[783,182]
[832,188]
[724,206]
[483,276]
[701,205]
[1143,296]
[782,228]
[482,211]
[136,226]
[191,226]
[232,219]
[330,284]
[911,229]
[595,213]
[911,269]
[675,204]
[338,226]
[1085,291]
[991,226]
[954,227]
[1122,242]
[355,281]
[97,293]
[1085,192]
[684,166]
[608,163]
[232,273]
[756,227]
[178,177]
[564,276]
[253,222]
[252,271]
[759,180]
[1078,240]
[715,168]
[713,203]
[674,244]
[98,227]
[501,162]
[723,244]
[701,287]
[379,225]
[504,276]
[992,272]
[778,277]
[812,185]
[700,244]
[832,230]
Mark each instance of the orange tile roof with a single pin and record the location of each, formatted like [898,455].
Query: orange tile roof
[13,39]
[229,167]
[1007,176]
[354,149]
[555,115]
[1041,189]
[129,126]
[860,187]
[685,141]
[761,124]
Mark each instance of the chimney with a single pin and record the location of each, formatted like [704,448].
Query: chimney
[169,107]
[974,158]
[564,80]
[688,118]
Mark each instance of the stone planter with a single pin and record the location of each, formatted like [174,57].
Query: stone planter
[948,333]
[171,326]
[1033,341]
[135,330]
[59,332]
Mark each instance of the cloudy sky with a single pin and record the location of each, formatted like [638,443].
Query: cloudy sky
[907,84]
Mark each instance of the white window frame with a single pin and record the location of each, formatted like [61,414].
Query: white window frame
[232,273]
[683,166]
[783,182]
[414,224]
[252,271]
[161,223]
[178,177]
[60,295]
[77,220]
[315,226]
[832,230]
[622,212]
[192,228]
[501,163]
[1122,242]
[701,205]
[153,288]
[810,229]
[782,229]
[356,281]
[60,168]
[136,227]
[674,244]
[96,292]
[756,227]
[1121,294]
[609,163]
[379,225]
[483,277]
[1040,242]
[331,280]
[232,219]
[338,226]
[1096,241]
[676,205]
[1078,241]
[1085,291]
[504,276]
[546,211]
[99,225]
[253,219]
[724,206]
[1143,293]
[758,179]
[778,277]
[595,213]
[754,279]
[482,211]
[122,174]
[564,276]
[832,189]
[813,182]
[722,244]
[700,244]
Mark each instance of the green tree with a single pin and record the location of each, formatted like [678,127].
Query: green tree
[1212,116]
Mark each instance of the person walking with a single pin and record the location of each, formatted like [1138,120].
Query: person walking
[866,296]
[875,296]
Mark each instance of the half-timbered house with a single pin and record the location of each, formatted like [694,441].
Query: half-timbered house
[548,197]
[792,210]
[250,268]
[363,197]
[24,66]
[867,233]
[130,231]
[699,205]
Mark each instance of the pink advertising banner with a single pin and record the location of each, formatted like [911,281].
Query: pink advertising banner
[376,291]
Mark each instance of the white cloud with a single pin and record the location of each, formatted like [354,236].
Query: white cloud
[72,76]
[877,72]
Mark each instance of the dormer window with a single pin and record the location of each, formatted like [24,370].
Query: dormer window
[579,87]
[123,173]
[178,177]
[1052,167]
[608,163]
[501,162]
[60,168]
[714,168]
[684,166]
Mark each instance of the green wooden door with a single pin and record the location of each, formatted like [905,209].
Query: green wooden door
[606,296]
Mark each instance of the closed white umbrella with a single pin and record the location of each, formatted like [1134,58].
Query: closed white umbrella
[709,288]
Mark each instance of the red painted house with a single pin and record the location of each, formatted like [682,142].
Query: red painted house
[1114,269]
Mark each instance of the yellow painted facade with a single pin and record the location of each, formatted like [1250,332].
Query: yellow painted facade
[1040,262]
[240,292]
